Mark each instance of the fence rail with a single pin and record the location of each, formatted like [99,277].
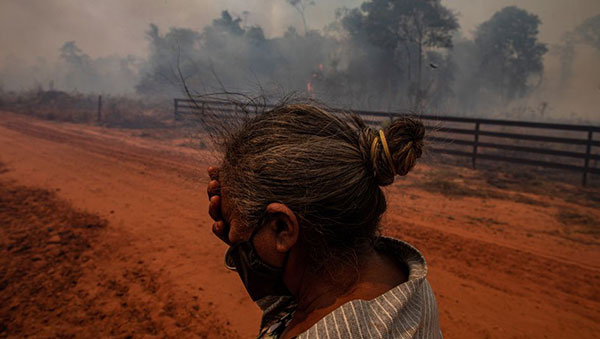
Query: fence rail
[476,130]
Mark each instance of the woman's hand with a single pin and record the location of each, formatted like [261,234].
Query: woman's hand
[219,228]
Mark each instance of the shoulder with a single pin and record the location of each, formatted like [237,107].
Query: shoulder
[403,312]
[409,310]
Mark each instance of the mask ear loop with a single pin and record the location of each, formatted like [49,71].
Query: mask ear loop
[228,262]
[229,265]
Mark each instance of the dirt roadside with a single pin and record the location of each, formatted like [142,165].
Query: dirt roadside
[154,202]
[499,268]
[62,277]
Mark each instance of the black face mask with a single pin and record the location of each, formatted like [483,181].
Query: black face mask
[259,278]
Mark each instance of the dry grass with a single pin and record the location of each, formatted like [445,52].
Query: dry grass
[75,107]
[549,183]
[579,223]
[448,184]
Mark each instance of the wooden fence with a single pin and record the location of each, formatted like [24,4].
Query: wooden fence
[561,146]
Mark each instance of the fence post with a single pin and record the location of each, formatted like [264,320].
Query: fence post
[475,144]
[588,151]
[175,107]
[99,108]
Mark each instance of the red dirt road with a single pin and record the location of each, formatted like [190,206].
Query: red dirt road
[503,266]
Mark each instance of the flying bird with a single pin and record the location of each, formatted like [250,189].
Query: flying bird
[434,66]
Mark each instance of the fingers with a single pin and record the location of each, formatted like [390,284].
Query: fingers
[213,188]
[221,230]
[214,208]
[213,172]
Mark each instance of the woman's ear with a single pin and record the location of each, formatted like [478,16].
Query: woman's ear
[284,225]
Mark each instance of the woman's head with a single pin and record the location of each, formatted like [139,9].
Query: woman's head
[326,169]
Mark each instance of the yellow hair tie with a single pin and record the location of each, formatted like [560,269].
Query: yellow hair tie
[387,151]
[373,146]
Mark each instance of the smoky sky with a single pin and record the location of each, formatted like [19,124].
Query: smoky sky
[37,28]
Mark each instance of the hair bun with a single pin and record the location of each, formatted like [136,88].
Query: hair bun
[404,139]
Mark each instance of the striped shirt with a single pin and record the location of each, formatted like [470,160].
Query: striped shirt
[408,310]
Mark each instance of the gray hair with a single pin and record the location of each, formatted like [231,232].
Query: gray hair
[322,167]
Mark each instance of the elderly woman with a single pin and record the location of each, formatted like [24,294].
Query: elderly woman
[298,199]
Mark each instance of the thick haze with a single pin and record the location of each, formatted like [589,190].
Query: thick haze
[33,31]
[39,27]
[36,28]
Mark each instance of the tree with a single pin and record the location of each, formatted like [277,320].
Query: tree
[300,6]
[404,29]
[227,24]
[509,51]
[71,54]
[80,71]
[169,54]
[589,32]
[565,51]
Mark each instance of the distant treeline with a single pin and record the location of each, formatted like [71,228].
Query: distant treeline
[383,55]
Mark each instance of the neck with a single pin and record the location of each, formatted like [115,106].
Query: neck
[318,295]
[318,290]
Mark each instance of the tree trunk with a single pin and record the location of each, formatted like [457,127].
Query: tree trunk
[301,12]
[304,22]
[420,65]
[419,98]
[408,61]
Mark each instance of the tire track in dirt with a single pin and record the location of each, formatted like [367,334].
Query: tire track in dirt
[506,269]
[168,161]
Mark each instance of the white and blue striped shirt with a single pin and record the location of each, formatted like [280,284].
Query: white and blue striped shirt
[408,310]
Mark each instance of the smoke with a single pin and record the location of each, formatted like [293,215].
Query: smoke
[73,71]
[587,34]
[572,81]
[230,56]
[110,47]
